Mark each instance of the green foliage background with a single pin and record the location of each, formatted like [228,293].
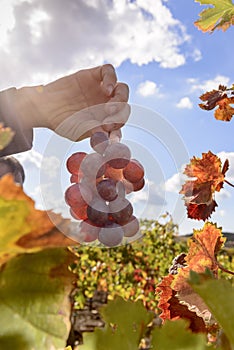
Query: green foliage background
[132,271]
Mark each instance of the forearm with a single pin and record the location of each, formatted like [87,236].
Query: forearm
[11,114]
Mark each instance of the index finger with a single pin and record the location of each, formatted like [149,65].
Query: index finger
[109,78]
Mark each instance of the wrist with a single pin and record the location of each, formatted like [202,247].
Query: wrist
[27,102]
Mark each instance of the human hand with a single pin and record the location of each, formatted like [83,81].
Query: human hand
[76,105]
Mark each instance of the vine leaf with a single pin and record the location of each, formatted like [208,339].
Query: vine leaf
[174,335]
[199,193]
[218,98]
[220,302]
[172,309]
[220,16]
[25,229]
[125,324]
[225,111]
[6,135]
[177,297]
[34,300]
[203,248]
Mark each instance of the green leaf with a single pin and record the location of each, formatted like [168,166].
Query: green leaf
[175,335]
[220,16]
[219,297]
[126,323]
[34,303]
[24,228]
[90,342]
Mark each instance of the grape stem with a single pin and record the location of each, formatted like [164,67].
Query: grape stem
[221,267]
[229,183]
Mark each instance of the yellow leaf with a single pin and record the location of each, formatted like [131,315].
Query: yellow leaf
[24,228]
[220,16]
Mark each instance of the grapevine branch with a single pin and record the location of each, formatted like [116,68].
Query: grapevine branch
[229,183]
[221,267]
[214,259]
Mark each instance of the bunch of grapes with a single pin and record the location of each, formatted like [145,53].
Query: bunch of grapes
[100,182]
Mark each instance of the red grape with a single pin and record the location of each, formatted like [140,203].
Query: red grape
[134,171]
[74,178]
[121,210]
[97,212]
[120,189]
[115,174]
[111,234]
[99,184]
[117,155]
[88,231]
[78,195]
[132,227]
[93,166]
[74,161]
[107,189]
[137,186]
[133,186]
[79,213]
[92,185]
[99,141]
[128,186]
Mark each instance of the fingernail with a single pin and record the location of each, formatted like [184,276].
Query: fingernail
[109,89]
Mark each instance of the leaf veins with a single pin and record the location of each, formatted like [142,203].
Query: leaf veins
[219,98]
[220,16]
[172,309]
[199,193]
[177,297]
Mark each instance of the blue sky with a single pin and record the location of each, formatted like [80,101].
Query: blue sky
[167,63]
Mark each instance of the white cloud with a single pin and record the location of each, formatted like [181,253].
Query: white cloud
[56,37]
[47,197]
[223,194]
[196,55]
[148,88]
[208,85]
[37,22]
[185,103]
[174,183]
[222,213]
[30,159]
[150,202]
[35,160]
[7,21]
[151,193]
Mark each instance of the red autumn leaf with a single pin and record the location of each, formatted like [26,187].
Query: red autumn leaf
[212,98]
[172,309]
[218,98]
[196,192]
[207,168]
[177,298]
[203,248]
[225,111]
[199,193]
[166,293]
[200,211]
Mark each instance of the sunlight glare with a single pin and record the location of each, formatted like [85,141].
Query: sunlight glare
[7,20]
